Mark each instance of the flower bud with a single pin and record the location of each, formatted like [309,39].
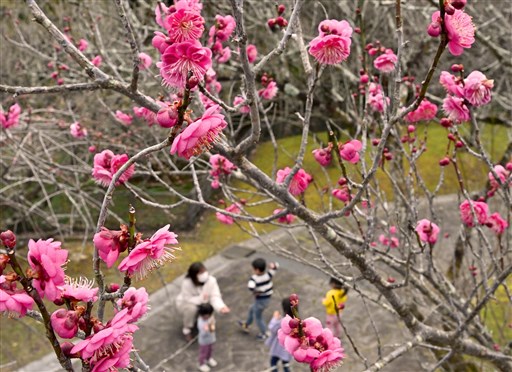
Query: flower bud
[192,82]
[341,306]
[391,279]
[294,300]
[357,30]
[451,137]
[459,144]
[66,349]
[92,149]
[280,9]
[342,181]
[281,22]
[509,166]
[294,323]
[444,161]
[459,4]
[112,287]
[411,128]
[445,122]
[364,79]
[375,141]
[388,156]
[167,117]
[434,29]
[8,239]
[65,323]
[449,8]
[457,67]
[271,23]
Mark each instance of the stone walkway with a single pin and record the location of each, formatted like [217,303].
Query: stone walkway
[162,347]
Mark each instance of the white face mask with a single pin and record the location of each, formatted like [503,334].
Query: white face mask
[203,277]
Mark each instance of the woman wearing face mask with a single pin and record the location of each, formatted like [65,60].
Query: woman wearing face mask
[198,287]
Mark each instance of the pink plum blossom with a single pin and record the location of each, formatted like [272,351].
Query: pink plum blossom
[378,102]
[461,32]
[497,223]
[46,259]
[13,301]
[225,219]
[77,130]
[223,28]
[151,254]
[65,322]
[115,358]
[502,174]
[79,290]
[349,151]
[110,244]
[167,117]
[330,49]
[270,91]
[456,109]
[224,55]
[184,25]
[148,115]
[10,118]
[334,27]
[96,61]
[341,194]
[125,119]
[323,156]
[145,61]
[452,84]
[106,164]
[299,182]
[481,210]
[180,58]
[425,111]
[136,301]
[386,62]
[221,165]
[427,231]
[244,109]
[252,53]
[199,135]
[286,219]
[477,89]
[82,45]
[160,42]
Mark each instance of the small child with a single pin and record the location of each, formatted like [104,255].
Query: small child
[206,338]
[340,295]
[278,352]
[261,286]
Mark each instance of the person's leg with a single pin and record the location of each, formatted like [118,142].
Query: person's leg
[250,315]
[260,306]
[273,363]
[189,312]
[203,353]
[209,352]
[286,365]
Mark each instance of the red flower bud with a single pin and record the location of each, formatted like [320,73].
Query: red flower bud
[457,67]
[445,122]
[449,9]
[341,306]
[8,239]
[357,30]
[411,128]
[112,287]
[280,9]
[375,141]
[459,4]
[342,181]
[444,161]
[391,279]
[388,156]
[459,144]
[294,323]
[271,23]
[281,22]
[192,82]
[451,137]
[294,300]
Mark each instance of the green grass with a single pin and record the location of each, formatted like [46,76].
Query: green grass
[24,341]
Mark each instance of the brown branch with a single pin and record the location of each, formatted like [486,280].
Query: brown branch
[78,87]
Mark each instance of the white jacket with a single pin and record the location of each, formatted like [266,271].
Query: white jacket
[196,295]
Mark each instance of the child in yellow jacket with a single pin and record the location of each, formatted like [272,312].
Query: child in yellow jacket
[340,295]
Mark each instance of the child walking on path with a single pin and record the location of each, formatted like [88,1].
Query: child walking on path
[340,295]
[206,339]
[278,352]
[261,286]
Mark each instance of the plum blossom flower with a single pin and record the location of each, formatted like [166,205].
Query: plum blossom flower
[13,301]
[477,89]
[184,25]
[496,223]
[110,243]
[79,289]
[460,30]
[244,109]
[376,98]
[502,174]
[299,182]
[252,53]
[223,55]
[65,322]
[145,61]
[287,218]
[349,151]
[223,28]
[106,164]
[386,62]
[425,111]
[151,254]
[77,130]
[481,212]
[427,231]
[125,119]
[270,91]
[341,194]
[199,135]
[96,61]
[160,42]
[46,258]
[334,27]
[451,83]
[180,58]
[10,118]
[82,45]
[167,117]
[456,109]
[110,346]
[225,219]
[390,240]
[136,301]
[332,45]
[323,156]
[148,115]
[221,165]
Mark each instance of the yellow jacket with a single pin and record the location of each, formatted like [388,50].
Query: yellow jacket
[339,295]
